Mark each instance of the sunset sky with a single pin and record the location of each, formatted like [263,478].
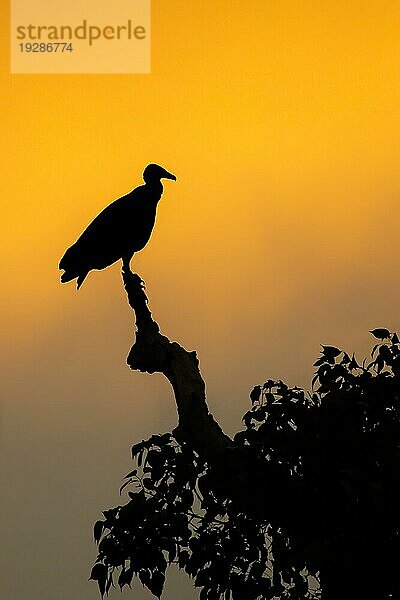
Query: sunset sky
[281,121]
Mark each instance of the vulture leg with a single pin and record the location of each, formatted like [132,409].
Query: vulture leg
[126,262]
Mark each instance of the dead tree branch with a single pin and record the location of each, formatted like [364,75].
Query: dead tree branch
[153,352]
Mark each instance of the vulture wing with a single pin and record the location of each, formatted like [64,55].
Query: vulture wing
[104,241]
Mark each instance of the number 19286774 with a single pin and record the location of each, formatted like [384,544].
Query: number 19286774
[46,47]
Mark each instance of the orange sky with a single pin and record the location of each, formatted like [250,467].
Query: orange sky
[281,121]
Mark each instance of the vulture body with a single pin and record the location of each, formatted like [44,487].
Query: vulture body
[121,229]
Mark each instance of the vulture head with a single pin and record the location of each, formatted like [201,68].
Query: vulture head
[153,173]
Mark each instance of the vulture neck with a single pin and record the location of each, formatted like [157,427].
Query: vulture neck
[156,188]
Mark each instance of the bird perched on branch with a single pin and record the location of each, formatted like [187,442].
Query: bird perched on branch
[121,229]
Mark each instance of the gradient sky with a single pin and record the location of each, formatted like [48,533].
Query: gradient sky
[281,121]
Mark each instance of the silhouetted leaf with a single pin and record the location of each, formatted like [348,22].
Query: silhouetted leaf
[353,363]
[203,594]
[320,361]
[374,349]
[255,394]
[183,557]
[156,584]
[109,583]
[385,353]
[380,363]
[140,457]
[154,581]
[144,576]
[99,574]
[131,474]
[98,530]
[124,485]
[346,358]
[110,515]
[125,577]
[136,448]
[148,484]
[380,333]
[269,384]
[330,352]
[171,547]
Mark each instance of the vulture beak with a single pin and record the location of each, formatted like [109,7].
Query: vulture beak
[167,175]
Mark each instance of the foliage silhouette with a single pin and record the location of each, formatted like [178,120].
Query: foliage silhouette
[303,503]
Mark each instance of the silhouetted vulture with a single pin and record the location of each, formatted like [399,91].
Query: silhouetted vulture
[121,229]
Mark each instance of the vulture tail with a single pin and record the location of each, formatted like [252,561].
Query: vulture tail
[72,266]
[80,280]
[68,276]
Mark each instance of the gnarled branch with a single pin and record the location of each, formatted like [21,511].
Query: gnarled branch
[153,352]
